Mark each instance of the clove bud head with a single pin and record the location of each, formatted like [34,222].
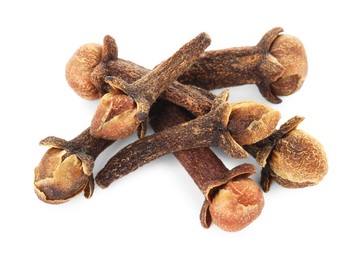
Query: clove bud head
[237,204]
[250,121]
[289,52]
[298,160]
[115,117]
[79,69]
[59,177]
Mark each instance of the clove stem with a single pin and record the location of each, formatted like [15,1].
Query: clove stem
[201,163]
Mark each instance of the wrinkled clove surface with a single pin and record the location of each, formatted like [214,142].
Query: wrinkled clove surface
[277,65]
[290,156]
[66,168]
[232,200]
[204,131]
[120,113]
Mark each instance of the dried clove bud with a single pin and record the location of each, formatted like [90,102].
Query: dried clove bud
[290,52]
[298,160]
[237,204]
[79,69]
[204,131]
[58,179]
[115,117]
[290,156]
[250,122]
[232,200]
[108,121]
[277,65]
[66,168]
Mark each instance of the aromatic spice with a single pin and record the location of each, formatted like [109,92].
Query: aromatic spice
[66,168]
[204,131]
[277,65]
[232,200]
[120,112]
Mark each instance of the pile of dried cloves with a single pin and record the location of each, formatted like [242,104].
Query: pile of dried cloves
[176,99]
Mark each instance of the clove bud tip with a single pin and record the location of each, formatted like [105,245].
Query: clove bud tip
[298,160]
[250,121]
[237,204]
[290,52]
[115,117]
[59,177]
[79,69]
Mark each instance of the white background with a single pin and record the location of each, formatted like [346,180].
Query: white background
[154,212]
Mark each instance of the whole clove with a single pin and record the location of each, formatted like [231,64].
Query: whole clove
[277,64]
[232,200]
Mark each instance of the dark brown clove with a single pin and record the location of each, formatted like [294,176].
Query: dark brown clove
[204,131]
[277,65]
[127,106]
[66,168]
[232,200]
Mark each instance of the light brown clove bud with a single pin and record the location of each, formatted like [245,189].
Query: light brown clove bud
[115,117]
[290,52]
[66,168]
[298,160]
[237,204]
[250,121]
[79,69]
[59,177]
